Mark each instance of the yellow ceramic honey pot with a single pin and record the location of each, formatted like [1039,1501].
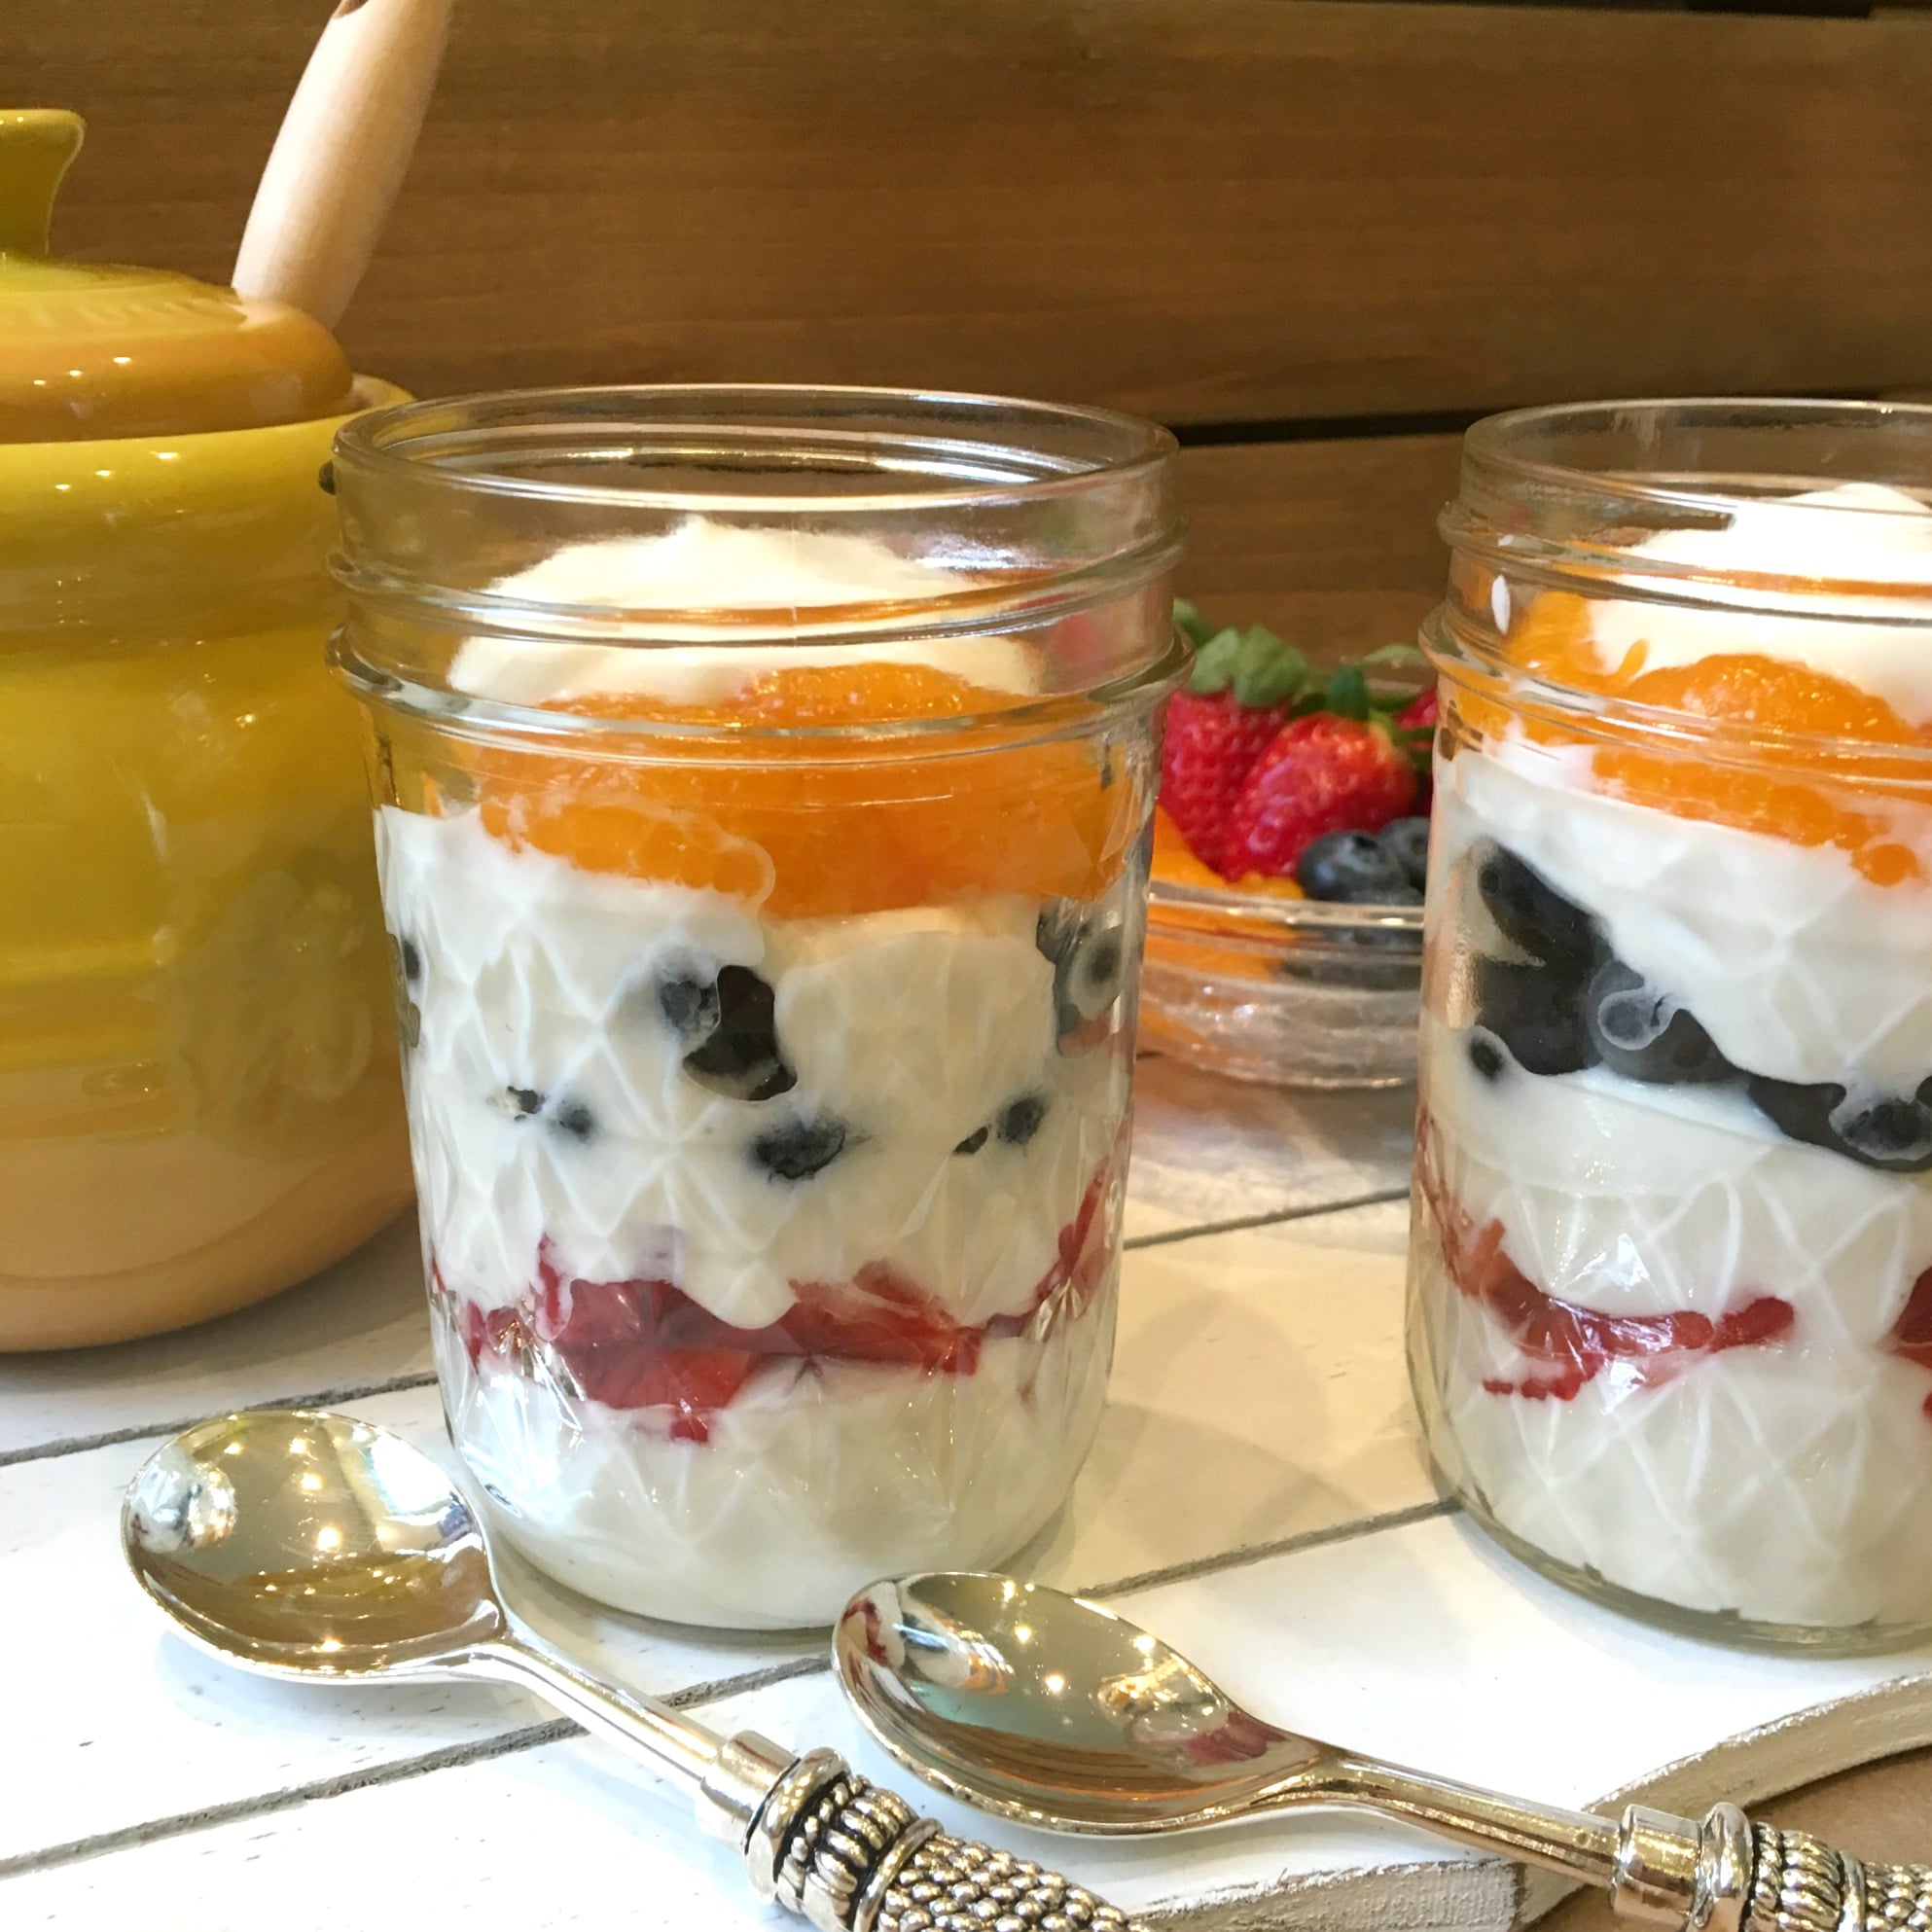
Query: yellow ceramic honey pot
[199,1101]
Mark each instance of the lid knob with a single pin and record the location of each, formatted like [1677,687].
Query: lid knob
[37,148]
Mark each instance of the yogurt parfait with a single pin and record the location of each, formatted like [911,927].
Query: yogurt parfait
[1671,1285]
[764,782]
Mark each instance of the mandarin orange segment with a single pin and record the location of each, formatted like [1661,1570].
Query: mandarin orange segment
[1175,863]
[1173,857]
[819,829]
[1269,887]
[1792,793]
[632,835]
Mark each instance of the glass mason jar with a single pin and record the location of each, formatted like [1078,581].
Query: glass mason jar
[1671,1321]
[763,783]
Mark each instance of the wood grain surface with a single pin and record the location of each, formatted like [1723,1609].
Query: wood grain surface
[1206,211]
[1331,542]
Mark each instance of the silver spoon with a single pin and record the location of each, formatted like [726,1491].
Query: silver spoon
[1050,1710]
[312,1546]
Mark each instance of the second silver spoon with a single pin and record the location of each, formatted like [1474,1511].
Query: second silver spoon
[1048,1710]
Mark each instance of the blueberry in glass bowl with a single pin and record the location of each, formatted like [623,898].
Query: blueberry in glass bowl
[1284,936]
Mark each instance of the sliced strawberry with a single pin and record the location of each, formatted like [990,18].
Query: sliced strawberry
[474,1326]
[646,1345]
[1565,1343]
[694,1384]
[879,1318]
[1911,1334]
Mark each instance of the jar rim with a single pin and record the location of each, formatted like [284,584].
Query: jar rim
[405,438]
[1684,504]
[1497,443]
[1013,517]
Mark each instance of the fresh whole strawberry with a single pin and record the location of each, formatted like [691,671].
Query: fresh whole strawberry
[1323,773]
[1417,721]
[1237,701]
[1421,713]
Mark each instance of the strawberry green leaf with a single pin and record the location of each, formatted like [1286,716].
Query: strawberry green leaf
[1192,626]
[1214,663]
[1267,671]
[1417,743]
[1346,693]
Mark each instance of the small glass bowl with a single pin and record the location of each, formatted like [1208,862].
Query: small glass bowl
[1298,992]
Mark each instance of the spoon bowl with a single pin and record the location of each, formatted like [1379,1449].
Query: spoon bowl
[1046,1708]
[299,1543]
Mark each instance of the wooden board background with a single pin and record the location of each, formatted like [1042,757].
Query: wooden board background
[1318,235]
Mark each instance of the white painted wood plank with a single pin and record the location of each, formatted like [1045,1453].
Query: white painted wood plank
[1258,1394]
[112,1720]
[565,1836]
[543,1840]
[123,1723]
[1209,1150]
[1420,1643]
[356,1324]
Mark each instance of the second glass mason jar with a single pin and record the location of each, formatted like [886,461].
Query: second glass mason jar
[763,789]
[1671,1285]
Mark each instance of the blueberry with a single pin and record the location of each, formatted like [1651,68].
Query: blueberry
[1020,1120]
[1535,1014]
[739,1055]
[412,957]
[798,1150]
[1534,915]
[1892,1133]
[974,1141]
[1409,839]
[1640,1032]
[1100,967]
[690,1005]
[1487,1057]
[1354,868]
[1089,953]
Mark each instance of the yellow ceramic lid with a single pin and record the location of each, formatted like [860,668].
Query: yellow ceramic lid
[91,352]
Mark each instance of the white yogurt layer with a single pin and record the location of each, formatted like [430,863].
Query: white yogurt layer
[1642,1200]
[814,1481]
[1785,1482]
[1862,533]
[909,1032]
[1796,964]
[724,571]
[1775,1484]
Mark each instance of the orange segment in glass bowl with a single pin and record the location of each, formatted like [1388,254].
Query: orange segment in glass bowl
[1171,941]
[1173,857]
[823,828]
[1796,791]
[1268,888]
